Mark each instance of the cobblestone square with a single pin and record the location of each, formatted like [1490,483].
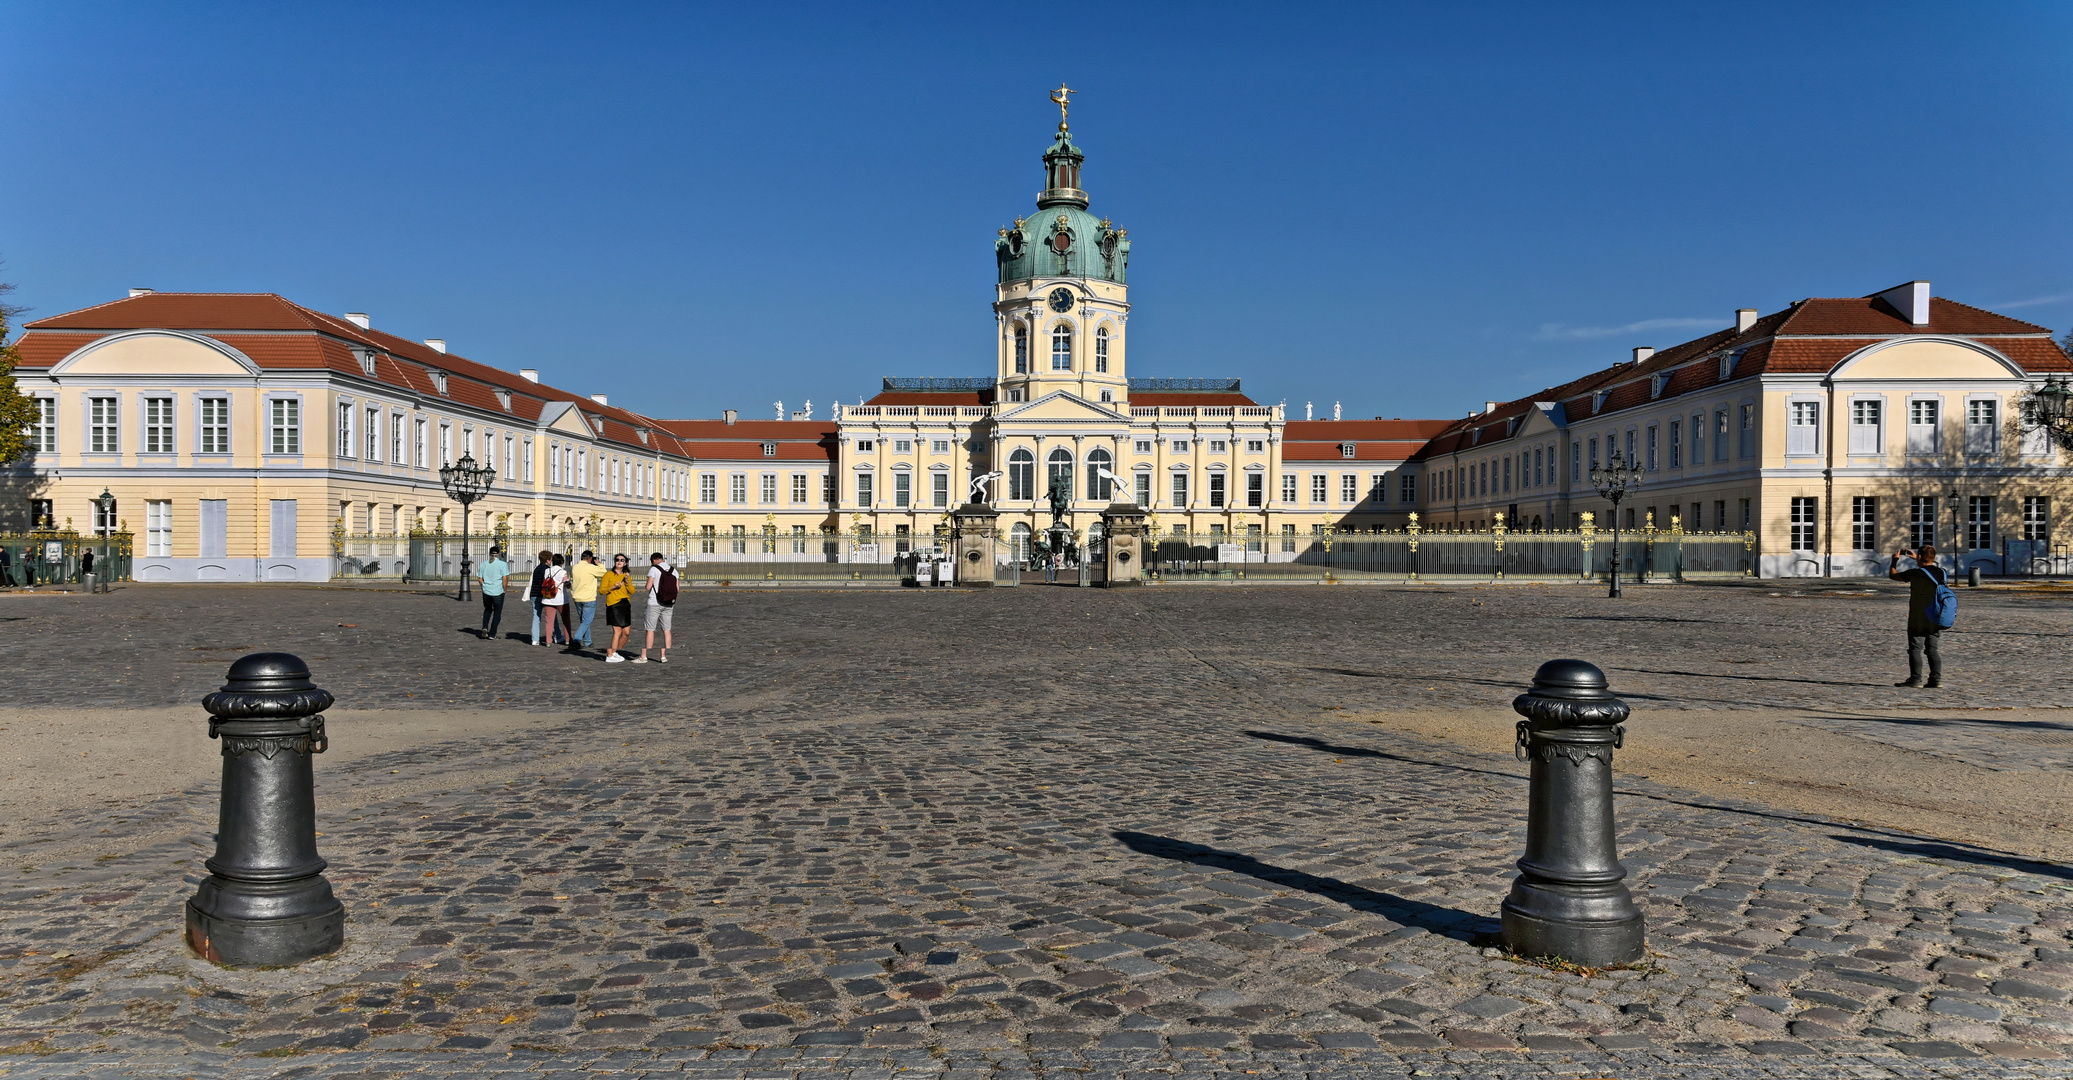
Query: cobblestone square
[1042,831]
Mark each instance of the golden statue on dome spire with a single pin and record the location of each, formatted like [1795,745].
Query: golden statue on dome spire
[1063,96]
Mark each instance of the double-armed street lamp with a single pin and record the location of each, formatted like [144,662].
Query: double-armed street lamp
[2050,409]
[466,482]
[1613,480]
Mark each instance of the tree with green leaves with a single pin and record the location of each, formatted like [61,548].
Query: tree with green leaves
[17,412]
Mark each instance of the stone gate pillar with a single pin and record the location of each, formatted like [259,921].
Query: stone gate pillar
[1122,524]
[974,531]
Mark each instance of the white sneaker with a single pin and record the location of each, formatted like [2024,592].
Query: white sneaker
[662,659]
[615,658]
[639,660]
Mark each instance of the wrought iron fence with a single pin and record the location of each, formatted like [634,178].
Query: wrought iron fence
[57,556]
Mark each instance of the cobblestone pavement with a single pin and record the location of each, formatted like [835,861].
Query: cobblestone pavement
[1031,832]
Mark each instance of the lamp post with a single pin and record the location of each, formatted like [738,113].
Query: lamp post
[2050,408]
[466,482]
[1613,480]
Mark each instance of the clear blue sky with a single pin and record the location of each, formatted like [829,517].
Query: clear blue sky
[1408,208]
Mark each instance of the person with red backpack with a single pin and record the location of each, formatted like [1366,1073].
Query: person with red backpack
[662,600]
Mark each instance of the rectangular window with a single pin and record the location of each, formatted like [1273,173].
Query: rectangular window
[1255,489]
[1142,446]
[158,526]
[939,490]
[1378,487]
[281,528]
[705,540]
[1180,446]
[799,489]
[1921,521]
[1803,427]
[1746,512]
[866,446]
[1255,446]
[1576,462]
[1407,488]
[769,489]
[798,539]
[1676,444]
[1253,539]
[1982,430]
[903,494]
[417,441]
[214,523]
[396,439]
[939,446]
[739,545]
[1538,453]
[345,430]
[1594,456]
[158,425]
[528,460]
[1698,439]
[215,426]
[1864,523]
[1349,488]
[1288,488]
[738,489]
[285,431]
[903,446]
[1216,490]
[510,459]
[1218,446]
[1320,489]
[1865,430]
[1720,435]
[1720,515]
[1979,522]
[1652,463]
[1180,489]
[43,434]
[1288,538]
[708,489]
[863,489]
[1747,447]
[1632,458]
[446,449]
[1803,523]
[1922,417]
[1143,486]
[2036,517]
[103,433]
[374,439]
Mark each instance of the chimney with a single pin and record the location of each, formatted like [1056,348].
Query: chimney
[727,415]
[437,345]
[1911,300]
[1489,406]
[600,399]
[1642,352]
[529,374]
[142,291]
[1745,317]
[359,319]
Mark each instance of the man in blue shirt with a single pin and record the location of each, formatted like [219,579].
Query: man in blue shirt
[491,573]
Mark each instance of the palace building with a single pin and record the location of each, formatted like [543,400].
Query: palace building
[245,437]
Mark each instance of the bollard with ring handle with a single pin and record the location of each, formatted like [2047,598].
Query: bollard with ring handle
[266,900]
[1570,900]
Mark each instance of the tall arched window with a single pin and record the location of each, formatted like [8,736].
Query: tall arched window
[1097,487]
[1061,347]
[1101,350]
[1021,350]
[1022,475]
[1060,469]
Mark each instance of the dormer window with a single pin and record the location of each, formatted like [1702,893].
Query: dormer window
[770,449]
[1656,385]
[1346,450]
[1728,362]
[438,381]
[643,433]
[504,399]
[1598,401]
[1510,426]
[367,359]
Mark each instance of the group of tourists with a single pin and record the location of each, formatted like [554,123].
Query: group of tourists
[564,598]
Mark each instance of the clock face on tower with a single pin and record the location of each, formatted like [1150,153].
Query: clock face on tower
[1061,300]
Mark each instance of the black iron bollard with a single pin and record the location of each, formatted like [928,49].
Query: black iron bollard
[266,901]
[1568,900]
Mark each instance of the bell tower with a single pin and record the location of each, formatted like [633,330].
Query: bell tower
[1063,298]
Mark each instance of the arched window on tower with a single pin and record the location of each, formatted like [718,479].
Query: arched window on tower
[1021,350]
[1098,487]
[1061,348]
[1101,350]
[1021,475]
[1060,469]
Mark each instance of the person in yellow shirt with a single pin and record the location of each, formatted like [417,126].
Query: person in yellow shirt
[617,585]
[583,579]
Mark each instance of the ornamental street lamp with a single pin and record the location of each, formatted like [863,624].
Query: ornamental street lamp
[466,482]
[2050,409]
[1613,480]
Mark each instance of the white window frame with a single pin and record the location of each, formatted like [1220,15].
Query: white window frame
[1320,489]
[158,528]
[103,424]
[766,489]
[420,435]
[708,489]
[159,437]
[284,420]
[1867,425]
[372,417]
[1982,440]
[43,432]
[737,489]
[1803,439]
[1349,489]
[346,433]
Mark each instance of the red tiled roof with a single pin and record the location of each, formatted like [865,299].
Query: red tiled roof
[1361,430]
[1873,317]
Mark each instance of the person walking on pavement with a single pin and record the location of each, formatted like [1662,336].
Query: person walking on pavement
[491,574]
[583,579]
[1923,580]
[617,587]
[554,599]
[533,595]
[662,599]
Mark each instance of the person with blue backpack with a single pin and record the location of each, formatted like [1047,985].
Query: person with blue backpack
[1932,608]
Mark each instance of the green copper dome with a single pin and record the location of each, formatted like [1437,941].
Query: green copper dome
[1062,239]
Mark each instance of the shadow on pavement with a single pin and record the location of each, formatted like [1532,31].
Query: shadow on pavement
[1957,853]
[1460,925]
